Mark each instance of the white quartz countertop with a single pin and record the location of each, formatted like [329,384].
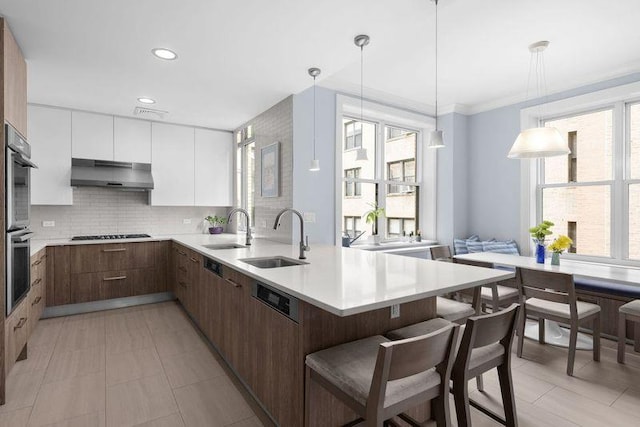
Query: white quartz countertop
[580,269]
[342,281]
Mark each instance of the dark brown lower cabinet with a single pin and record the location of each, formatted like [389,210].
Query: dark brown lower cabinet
[75,279]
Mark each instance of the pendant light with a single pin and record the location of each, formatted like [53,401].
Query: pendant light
[538,142]
[436,139]
[361,41]
[315,163]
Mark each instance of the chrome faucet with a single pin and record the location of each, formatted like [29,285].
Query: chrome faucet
[240,210]
[303,247]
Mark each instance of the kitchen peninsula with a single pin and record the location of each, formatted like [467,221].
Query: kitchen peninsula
[263,321]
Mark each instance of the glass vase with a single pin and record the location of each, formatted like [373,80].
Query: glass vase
[555,258]
[540,252]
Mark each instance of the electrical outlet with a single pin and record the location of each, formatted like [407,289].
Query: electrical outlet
[395,311]
[48,223]
[309,217]
[186,221]
[263,224]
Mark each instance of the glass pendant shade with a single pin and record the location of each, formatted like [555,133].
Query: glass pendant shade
[436,139]
[361,154]
[315,165]
[539,142]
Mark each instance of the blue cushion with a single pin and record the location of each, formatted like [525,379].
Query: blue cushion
[509,247]
[474,247]
[611,288]
[460,245]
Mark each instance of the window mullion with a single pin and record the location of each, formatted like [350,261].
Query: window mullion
[619,224]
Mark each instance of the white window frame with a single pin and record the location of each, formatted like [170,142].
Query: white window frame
[531,170]
[244,193]
[426,173]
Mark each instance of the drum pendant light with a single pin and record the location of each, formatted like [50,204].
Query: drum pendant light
[315,163]
[538,142]
[361,41]
[436,139]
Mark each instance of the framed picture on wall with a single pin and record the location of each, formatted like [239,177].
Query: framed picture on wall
[270,170]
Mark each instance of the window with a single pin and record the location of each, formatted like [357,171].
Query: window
[353,134]
[592,194]
[245,175]
[352,188]
[352,225]
[402,171]
[579,192]
[386,179]
[400,226]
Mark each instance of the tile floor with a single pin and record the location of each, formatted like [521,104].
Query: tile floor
[147,366]
[139,366]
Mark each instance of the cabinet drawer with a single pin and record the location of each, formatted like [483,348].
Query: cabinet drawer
[16,334]
[36,302]
[96,258]
[86,287]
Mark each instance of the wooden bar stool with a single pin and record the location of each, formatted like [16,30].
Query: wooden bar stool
[630,311]
[486,344]
[380,379]
[447,308]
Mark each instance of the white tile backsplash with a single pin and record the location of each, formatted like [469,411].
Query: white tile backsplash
[107,211]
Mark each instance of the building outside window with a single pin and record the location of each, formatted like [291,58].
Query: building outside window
[245,175]
[353,188]
[593,194]
[400,226]
[353,134]
[353,225]
[386,179]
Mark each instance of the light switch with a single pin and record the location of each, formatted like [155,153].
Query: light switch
[48,223]
[309,217]
[186,221]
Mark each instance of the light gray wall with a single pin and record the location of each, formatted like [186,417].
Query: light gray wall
[494,181]
[452,177]
[313,192]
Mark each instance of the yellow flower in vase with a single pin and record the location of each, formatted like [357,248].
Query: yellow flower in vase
[559,245]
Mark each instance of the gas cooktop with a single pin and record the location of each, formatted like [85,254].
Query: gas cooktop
[111,237]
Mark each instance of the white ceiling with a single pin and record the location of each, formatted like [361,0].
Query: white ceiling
[237,58]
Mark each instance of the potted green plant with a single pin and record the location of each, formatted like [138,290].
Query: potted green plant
[539,233]
[371,217]
[216,224]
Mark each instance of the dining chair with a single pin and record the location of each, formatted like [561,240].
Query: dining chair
[440,253]
[486,344]
[380,379]
[552,296]
[631,312]
[494,294]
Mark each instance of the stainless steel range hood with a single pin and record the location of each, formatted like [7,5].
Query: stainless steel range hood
[104,173]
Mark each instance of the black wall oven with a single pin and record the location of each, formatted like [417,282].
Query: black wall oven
[18,207]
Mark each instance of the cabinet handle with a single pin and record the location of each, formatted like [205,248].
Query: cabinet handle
[21,323]
[194,260]
[181,253]
[235,284]
[35,282]
[106,279]
[37,300]
[115,250]
[184,285]
[36,262]
[183,269]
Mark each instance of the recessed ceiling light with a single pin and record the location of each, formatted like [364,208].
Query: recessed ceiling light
[146,100]
[164,53]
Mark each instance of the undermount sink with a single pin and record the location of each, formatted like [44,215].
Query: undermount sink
[224,246]
[272,262]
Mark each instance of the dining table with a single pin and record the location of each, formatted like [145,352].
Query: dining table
[554,333]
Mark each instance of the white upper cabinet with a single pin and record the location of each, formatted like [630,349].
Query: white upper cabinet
[91,136]
[50,139]
[172,165]
[131,140]
[213,168]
